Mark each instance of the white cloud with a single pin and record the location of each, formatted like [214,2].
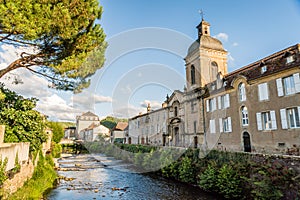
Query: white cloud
[153,104]
[235,44]
[57,108]
[222,36]
[87,101]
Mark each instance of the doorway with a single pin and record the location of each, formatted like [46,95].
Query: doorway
[195,142]
[247,142]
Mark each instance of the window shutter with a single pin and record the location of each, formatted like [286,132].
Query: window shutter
[219,102]
[297,82]
[279,87]
[258,120]
[273,120]
[207,105]
[212,126]
[227,101]
[284,124]
[263,92]
[214,104]
[221,125]
[229,125]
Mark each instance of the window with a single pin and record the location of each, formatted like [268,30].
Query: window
[266,120]
[225,125]
[244,113]
[175,111]
[290,118]
[214,71]
[289,59]
[212,126]
[263,69]
[195,127]
[223,101]
[193,75]
[263,93]
[242,92]
[288,85]
[211,105]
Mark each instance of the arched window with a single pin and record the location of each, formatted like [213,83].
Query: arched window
[242,92]
[214,70]
[193,75]
[244,116]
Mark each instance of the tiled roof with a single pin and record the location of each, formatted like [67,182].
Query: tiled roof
[90,114]
[275,63]
[121,126]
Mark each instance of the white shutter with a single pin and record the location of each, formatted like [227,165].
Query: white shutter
[273,120]
[221,125]
[207,106]
[263,91]
[229,125]
[284,124]
[227,101]
[279,87]
[258,121]
[212,126]
[297,82]
[219,102]
[298,112]
[214,104]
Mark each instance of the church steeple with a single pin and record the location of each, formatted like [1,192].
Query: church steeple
[203,28]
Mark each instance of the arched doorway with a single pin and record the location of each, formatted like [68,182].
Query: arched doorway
[247,142]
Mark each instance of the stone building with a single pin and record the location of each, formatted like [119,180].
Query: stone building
[254,109]
[149,128]
[84,121]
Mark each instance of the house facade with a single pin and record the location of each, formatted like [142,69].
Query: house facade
[84,121]
[149,128]
[253,109]
[94,132]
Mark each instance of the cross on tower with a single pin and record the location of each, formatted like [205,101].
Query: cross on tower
[202,14]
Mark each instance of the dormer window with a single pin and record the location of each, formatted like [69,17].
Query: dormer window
[263,69]
[289,59]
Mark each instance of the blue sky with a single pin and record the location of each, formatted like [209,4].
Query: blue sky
[148,41]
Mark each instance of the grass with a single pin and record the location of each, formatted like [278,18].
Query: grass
[43,178]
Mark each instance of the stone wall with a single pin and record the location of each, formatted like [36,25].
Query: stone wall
[11,150]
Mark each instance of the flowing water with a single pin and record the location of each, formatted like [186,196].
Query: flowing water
[95,176]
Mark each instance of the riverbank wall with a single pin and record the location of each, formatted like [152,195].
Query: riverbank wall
[234,175]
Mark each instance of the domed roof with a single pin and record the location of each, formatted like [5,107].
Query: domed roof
[206,42]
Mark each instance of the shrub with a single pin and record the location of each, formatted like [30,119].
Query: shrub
[209,178]
[3,175]
[228,182]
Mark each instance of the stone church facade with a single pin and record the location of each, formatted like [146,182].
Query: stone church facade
[253,109]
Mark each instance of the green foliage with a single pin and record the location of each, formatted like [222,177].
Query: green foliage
[69,46]
[43,178]
[209,178]
[111,122]
[17,164]
[56,150]
[22,123]
[228,182]
[186,170]
[57,131]
[3,175]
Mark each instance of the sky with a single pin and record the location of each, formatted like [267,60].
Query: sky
[147,43]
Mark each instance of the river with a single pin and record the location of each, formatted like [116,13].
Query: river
[102,177]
